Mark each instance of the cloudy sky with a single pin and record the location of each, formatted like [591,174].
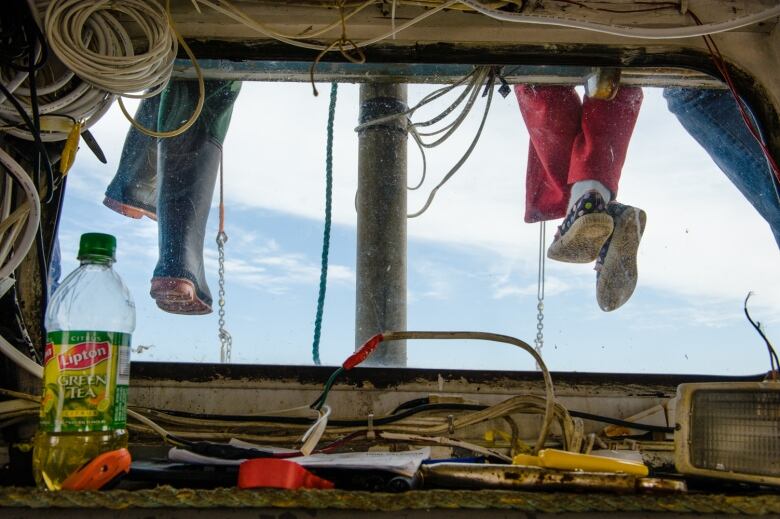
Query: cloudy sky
[472,259]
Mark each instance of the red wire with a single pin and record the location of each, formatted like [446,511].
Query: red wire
[720,64]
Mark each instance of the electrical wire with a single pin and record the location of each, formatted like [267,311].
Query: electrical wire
[369,346]
[201,88]
[164,434]
[652,6]
[649,33]
[110,61]
[23,244]
[621,423]
[72,98]
[442,440]
[549,408]
[722,67]
[231,11]
[473,81]
[20,359]
[35,134]
[464,157]
[774,362]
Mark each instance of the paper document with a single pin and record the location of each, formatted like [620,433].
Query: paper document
[405,463]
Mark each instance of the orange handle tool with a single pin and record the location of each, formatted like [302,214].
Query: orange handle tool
[102,469]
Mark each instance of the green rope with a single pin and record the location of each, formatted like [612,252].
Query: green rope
[315,347]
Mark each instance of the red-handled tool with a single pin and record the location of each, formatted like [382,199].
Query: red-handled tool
[103,469]
[274,473]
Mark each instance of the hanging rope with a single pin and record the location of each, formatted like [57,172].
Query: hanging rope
[315,347]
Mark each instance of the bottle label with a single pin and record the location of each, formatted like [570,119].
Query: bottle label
[85,379]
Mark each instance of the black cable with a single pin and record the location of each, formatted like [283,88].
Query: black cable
[411,403]
[622,423]
[30,126]
[43,272]
[385,420]
[41,249]
[15,39]
[301,420]
[774,362]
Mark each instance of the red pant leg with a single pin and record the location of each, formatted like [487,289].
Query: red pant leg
[599,150]
[552,115]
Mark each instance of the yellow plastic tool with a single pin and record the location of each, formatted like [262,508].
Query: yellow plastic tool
[562,460]
[70,149]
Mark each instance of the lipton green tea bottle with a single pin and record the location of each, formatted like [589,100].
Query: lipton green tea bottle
[86,365]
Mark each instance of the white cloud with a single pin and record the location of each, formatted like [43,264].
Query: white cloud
[267,268]
[553,286]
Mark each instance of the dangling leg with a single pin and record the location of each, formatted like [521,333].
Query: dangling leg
[188,166]
[133,190]
[553,115]
[598,156]
[713,119]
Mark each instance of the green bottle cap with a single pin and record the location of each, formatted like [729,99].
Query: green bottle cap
[95,245]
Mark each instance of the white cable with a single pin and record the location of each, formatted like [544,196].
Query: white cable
[312,436]
[8,265]
[72,99]
[235,14]
[647,33]
[20,359]
[108,61]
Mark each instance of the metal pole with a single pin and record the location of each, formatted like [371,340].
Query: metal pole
[381,222]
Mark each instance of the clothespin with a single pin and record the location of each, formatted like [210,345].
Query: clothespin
[71,148]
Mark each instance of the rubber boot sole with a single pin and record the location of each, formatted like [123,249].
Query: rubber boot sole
[128,210]
[178,296]
[584,239]
[619,273]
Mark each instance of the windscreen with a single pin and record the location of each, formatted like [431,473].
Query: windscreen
[658,222]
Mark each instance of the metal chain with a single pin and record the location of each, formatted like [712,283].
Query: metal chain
[539,340]
[225,339]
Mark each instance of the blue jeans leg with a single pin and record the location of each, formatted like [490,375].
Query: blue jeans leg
[713,119]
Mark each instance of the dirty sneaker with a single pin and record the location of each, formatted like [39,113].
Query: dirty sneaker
[583,232]
[616,267]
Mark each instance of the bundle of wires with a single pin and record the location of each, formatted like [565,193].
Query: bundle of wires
[423,132]
[59,74]
[56,96]
[22,55]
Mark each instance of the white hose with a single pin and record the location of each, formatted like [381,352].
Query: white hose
[646,33]
[20,359]
[8,265]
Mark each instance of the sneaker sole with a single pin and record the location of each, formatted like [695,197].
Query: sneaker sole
[584,239]
[178,296]
[128,210]
[618,277]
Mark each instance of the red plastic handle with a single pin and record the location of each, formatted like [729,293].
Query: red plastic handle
[273,473]
[99,471]
[362,354]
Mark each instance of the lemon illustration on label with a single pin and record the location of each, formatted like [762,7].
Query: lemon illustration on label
[104,405]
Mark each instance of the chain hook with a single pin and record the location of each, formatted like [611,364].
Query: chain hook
[539,340]
[225,339]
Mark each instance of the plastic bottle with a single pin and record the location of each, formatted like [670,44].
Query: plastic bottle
[89,323]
